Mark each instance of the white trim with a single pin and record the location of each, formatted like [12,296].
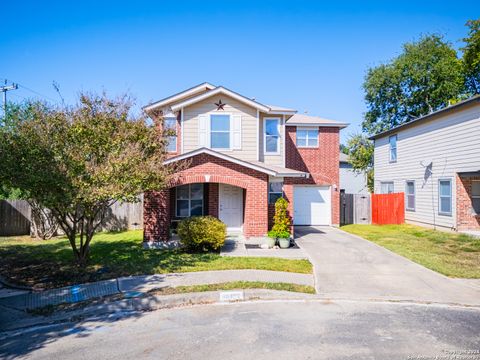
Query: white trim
[178,96]
[221,90]
[181,130]
[258,135]
[307,128]
[414,196]
[284,128]
[265,152]
[233,160]
[439,197]
[339,125]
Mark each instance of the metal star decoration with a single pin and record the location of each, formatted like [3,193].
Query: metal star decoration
[220,105]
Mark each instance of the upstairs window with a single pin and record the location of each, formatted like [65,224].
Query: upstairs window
[393,148]
[476,196]
[220,131]
[271,135]
[307,137]
[410,195]
[275,191]
[445,197]
[170,124]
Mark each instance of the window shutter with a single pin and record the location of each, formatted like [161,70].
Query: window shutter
[203,131]
[236,127]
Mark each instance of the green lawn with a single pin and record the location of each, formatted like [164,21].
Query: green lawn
[49,264]
[455,255]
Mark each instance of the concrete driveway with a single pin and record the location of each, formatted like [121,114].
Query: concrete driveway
[349,267]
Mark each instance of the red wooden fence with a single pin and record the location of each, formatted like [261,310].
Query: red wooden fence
[388,208]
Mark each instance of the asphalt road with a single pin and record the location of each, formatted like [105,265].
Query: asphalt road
[263,330]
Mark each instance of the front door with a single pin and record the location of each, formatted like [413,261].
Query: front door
[231,206]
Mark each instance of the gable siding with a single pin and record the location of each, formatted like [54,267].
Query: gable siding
[234,107]
[450,141]
[271,159]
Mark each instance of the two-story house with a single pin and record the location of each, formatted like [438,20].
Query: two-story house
[239,157]
[435,161]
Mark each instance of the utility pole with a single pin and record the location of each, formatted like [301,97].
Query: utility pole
[4,89]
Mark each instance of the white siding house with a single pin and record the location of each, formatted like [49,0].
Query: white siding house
[351,181]
[435,160]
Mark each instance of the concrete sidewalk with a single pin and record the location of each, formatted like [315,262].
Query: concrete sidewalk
[238,246]
[137,285]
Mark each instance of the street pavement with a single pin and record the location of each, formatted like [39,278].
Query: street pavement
[303,329]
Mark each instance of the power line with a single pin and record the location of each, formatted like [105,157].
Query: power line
[36,92]
[4,89]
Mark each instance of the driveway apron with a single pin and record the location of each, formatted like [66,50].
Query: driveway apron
[349,267]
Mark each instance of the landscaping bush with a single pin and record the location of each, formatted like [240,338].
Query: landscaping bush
[281,220]
[202,233]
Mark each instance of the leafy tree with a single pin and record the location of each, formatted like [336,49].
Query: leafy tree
[423,78]
[471,57]
[343,149]
[78,161]
[360,156]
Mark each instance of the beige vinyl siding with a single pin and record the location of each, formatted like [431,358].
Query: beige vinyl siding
[233,107]
[271,159]
[450,141]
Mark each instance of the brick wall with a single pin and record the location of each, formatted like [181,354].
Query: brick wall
[466,218]
[322,163]
[207,168]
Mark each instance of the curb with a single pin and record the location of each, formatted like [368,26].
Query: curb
[136,305]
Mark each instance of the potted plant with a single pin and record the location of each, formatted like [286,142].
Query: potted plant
[281,223]
[284,239]
[271,239]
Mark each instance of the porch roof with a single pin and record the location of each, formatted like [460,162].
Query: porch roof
[272,170]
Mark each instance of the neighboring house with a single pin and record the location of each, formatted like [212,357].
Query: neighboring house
[242,155]
[351,181]
[435,160]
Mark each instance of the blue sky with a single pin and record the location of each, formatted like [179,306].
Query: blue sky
[309,55]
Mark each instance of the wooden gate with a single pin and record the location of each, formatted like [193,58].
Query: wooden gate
[388,208]
[14,217]
[354,208]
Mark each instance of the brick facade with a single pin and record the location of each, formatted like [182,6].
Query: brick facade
[204,168]
[466,218]
[322,163]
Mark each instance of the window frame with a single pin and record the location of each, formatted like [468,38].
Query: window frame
[189,200]
[407,195]
[475,197]
[307,129]
[169,137]
[393,148]
[439,199]
[271,181]
[222,131]
[279,122]
[387,182]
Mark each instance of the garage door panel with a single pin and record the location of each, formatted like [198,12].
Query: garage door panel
[312,205]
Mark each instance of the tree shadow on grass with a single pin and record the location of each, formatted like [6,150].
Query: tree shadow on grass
[51,264]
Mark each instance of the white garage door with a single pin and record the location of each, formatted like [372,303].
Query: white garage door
[312,205]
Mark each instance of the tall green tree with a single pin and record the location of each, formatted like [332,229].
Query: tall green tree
[471,57]
[78,161]
[425,77]
[360,156]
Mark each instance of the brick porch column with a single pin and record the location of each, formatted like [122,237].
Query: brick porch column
[213,199]
[256,209]
[156,216]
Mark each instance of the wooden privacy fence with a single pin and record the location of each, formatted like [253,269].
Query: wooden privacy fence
[15,216]
[388,208]
[354,209]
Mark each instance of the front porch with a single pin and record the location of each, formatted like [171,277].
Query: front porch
[468,202]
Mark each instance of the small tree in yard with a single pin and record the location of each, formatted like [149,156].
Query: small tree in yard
[78,161]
